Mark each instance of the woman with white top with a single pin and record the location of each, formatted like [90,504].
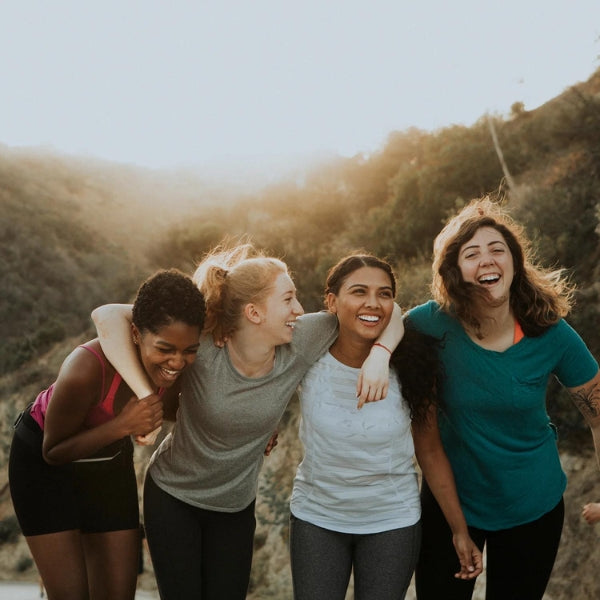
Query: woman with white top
[355,502]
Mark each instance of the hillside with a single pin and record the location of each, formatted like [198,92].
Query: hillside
[77,233]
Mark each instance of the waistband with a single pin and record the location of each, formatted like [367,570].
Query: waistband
[27,429]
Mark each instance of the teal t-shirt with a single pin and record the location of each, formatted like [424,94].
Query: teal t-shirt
[494,424]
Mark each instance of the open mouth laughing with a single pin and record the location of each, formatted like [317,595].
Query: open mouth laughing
[489,279]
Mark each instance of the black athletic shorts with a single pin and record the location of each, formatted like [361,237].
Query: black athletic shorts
[95,496]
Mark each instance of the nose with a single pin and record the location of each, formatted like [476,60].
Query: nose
[178,361]
[372,299]
[486,259]
[298,310]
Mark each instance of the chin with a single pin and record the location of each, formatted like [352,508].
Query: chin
[288,337]
[496,301]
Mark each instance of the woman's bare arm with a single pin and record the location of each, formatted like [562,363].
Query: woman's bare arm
[113,325]
[438,473]
[374,377]
[77,389]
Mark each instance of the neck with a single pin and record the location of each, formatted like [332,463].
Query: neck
[497,329]
[351,353]
[249,358]
[497,318]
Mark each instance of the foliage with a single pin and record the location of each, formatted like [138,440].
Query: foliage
[54,272]
[77,237]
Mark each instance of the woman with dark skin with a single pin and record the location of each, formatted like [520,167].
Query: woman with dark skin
[71,471]
[501,318]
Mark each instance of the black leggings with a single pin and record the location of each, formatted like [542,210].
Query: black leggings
[322,561]
[519,560]
[197,554]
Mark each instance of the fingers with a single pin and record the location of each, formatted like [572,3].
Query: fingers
[471,562]
[367,393]
[143,415]
[359,385]
[148,439]
[270,447]
[467,572]
[470,569]
[273,441]
[151,399]
[591,513]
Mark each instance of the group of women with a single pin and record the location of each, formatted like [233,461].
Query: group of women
[465,395]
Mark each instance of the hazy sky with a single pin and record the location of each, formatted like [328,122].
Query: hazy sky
[178,83]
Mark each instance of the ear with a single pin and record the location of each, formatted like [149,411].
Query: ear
[135,334]
[253,313]
[331,301]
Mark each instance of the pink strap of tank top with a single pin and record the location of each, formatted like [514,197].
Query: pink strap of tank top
[108,401]
[101,363]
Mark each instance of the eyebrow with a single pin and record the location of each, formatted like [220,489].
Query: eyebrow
[364,285]
[167,345]
[473,246]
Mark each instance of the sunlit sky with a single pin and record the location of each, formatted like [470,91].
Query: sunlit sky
[176,83]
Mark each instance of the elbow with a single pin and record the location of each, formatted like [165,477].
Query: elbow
[96,315]
[53,458]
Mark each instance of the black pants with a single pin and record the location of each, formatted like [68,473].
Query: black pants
[519,559]
[197,554]
[322,561]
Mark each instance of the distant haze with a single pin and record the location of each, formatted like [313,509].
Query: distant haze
[265,85]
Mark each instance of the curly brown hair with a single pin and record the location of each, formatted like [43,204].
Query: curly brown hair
[420,372]
[539,297]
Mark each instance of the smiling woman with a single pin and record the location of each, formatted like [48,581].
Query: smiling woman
[355,502]
[501,317]
[71,472]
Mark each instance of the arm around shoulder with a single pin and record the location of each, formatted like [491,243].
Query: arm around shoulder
[374,378]
[113,325]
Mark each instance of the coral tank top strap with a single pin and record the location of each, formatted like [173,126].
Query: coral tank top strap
[519,335]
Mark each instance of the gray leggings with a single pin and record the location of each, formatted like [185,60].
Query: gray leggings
[322,561]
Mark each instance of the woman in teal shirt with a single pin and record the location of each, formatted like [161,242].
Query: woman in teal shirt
[501,319]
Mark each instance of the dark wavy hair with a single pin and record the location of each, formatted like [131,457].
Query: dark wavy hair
[416,361]
[166,297]
[347,265]
[539,297]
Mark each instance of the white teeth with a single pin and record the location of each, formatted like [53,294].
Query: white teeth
[489,278]
[291,324]
[370,318]
[171,373]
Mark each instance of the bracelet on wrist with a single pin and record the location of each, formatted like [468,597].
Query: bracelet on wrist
[382,346]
